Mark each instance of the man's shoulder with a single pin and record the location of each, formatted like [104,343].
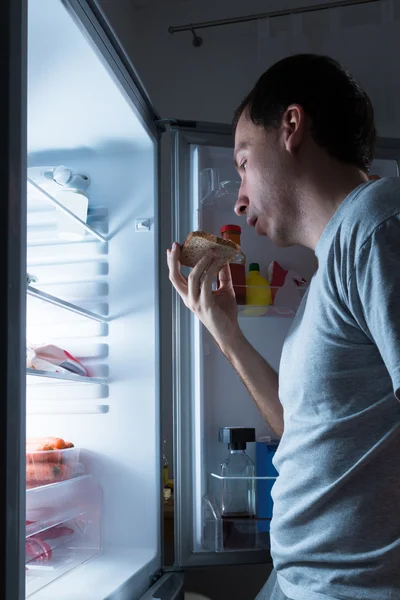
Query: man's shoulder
[377,202]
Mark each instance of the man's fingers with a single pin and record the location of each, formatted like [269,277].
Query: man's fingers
[208,278]
[225,277]
[175,275]
[197,274]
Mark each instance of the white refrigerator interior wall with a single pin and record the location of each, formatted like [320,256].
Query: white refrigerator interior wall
[79,117]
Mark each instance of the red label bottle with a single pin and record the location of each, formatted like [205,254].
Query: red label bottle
[238,272]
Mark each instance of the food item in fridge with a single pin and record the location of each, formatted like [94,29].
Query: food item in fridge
[49,460]
[60,531]
[277,278]
[238,272]
[53,359]
[198,243]
[288,296]
[48,443]
[258,291]
[37,549]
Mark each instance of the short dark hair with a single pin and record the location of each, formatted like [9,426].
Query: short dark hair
[340,110]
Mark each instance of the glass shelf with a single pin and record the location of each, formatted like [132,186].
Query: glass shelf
[31,291]
[66,211]
[246,311]
[284,302]
[233,532]
[66,377]
[56,407]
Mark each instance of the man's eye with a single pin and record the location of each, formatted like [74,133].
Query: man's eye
[243,165]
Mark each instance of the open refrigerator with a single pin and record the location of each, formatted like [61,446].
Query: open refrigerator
[85,522]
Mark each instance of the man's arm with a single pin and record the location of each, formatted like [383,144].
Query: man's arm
[217,310]
[260,379]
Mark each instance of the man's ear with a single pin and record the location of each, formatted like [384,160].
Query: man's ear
[294,127]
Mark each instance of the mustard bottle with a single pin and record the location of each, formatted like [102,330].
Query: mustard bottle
[258,291]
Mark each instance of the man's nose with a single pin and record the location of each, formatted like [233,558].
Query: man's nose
[241,205]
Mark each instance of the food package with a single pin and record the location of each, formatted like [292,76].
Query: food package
[39,548]
[285,285]
[53,360]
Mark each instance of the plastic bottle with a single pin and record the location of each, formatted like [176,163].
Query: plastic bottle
[238,497]
[238,272]
[258,291]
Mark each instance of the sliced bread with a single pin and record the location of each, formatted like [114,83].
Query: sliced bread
[199,242]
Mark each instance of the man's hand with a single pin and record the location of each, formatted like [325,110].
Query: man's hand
[217,310]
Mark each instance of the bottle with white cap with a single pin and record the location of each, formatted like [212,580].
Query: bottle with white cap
[72,195]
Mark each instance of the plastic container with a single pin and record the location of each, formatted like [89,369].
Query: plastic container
[238,272]
[63,529]
[258,291]
[44,467]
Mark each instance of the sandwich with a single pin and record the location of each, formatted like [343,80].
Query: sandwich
[198,243]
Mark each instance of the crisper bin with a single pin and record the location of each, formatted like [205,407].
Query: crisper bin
[63,526]
[51,466]
[234,532]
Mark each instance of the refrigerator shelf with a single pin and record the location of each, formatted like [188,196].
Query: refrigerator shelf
[250,311]
[65,377]
[40,527]
[35,293]
[66,408]
[60,206]
[50,505]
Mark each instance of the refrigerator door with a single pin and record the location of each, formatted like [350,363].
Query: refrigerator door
[204,188]
[12,285]
[205,392]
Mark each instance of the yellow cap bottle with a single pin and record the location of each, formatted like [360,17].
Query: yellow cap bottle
[258,291]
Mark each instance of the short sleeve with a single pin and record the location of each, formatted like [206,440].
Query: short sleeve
[374,294]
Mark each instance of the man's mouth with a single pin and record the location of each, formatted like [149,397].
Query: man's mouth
[251,221]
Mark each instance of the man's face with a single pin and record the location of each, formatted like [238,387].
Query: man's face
[266,195]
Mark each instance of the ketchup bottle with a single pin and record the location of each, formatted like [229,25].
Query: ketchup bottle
[238,272]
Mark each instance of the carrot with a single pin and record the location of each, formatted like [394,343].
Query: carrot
[48,443]
[44,473]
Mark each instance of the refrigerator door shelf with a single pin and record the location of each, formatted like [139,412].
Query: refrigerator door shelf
[232,533]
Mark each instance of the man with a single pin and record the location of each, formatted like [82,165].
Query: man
[304,140]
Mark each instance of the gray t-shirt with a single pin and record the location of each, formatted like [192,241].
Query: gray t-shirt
[335,532]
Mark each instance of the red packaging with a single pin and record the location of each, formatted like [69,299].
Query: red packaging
[238,272]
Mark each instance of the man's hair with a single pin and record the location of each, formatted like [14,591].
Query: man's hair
[342,116]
